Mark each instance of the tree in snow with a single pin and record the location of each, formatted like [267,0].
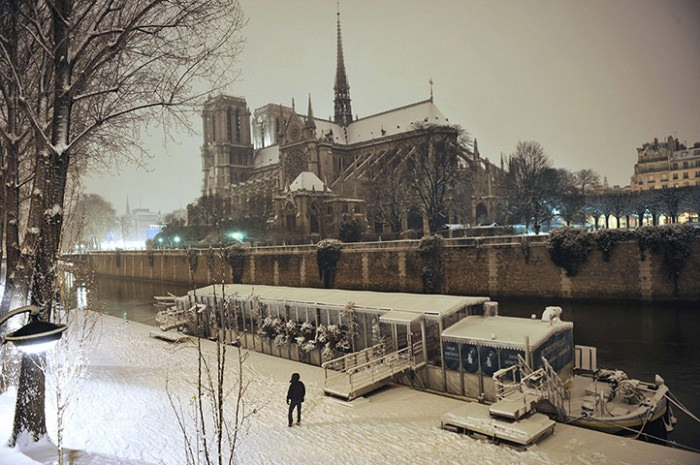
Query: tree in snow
[214,419]
[531,185]
[80,79]
[66,366]
[90,221]
[431,170]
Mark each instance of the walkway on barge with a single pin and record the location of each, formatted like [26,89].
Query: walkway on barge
[359,373]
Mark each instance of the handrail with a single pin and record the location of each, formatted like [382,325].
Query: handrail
[375,369]
[355,355]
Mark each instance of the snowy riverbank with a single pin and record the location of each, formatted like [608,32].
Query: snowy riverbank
[122,414]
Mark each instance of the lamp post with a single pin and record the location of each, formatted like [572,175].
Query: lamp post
[36,336]
[32,338]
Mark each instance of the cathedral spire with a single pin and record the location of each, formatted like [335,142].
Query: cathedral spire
[343,110]
[310,122]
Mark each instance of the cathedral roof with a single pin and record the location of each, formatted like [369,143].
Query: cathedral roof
[396,121]
[267,156]
[386,123]
[307,181]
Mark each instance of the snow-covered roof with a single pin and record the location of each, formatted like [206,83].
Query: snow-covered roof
[426,304]
[395,121]
[386,123]
[267,156]
[307,181]
[503,330]
[399,316]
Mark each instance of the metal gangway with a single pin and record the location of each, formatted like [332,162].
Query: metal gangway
[359,373]
[520,389]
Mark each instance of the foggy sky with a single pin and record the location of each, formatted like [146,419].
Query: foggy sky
[589,80]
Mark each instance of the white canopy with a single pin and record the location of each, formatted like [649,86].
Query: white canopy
[503,331]
[423,304]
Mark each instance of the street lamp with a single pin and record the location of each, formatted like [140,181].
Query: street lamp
[36,336]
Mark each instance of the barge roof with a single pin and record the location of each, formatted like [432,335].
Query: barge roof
[425,304]
[503,330]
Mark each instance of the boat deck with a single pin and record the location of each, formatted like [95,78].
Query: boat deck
[475,419]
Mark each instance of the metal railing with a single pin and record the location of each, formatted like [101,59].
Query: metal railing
[585,358]
[378,367]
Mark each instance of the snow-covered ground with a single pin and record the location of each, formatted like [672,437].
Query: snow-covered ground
[122,414]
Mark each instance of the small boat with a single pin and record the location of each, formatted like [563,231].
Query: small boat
[607,400]
[524,366]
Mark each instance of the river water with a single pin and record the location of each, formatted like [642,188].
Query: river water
[641,340]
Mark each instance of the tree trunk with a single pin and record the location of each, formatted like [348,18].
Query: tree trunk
[30,400]
[46,211]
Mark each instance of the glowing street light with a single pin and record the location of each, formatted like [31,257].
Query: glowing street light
[36,336]
[176,239]
[237,235]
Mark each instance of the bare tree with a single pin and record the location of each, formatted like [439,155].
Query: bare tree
[387,197]
[671,201]
[531,185]
[570,198]
[98,70]
[91,220]
[67,366]
[585,179]
[692,200]
[212,427]
[431,170]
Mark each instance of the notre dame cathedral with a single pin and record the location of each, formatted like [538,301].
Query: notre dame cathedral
[298,177]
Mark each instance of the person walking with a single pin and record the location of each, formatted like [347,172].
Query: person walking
[295,396]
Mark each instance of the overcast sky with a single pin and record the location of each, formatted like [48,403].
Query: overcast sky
[590,80]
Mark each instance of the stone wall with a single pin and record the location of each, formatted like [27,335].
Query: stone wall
[497,267]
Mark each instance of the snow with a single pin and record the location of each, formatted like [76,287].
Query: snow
[121,414]
[54,211]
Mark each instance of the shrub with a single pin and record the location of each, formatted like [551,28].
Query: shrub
[235,256]
[673,241]
[433,270]
[608,239]
[351,230]
[327,256]
[569,248]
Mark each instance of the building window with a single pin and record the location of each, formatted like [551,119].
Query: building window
[675,166]
[685,164]
[229,122]
[685,175]
[650,179]
[238,126]
[675,175]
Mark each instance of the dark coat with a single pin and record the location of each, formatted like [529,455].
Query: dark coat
[297,390]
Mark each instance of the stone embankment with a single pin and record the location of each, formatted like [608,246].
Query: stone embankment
[497,267]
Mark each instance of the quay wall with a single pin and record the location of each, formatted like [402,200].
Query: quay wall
[496,266]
